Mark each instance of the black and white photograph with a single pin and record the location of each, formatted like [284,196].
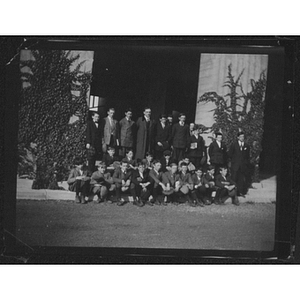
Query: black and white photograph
[149,144]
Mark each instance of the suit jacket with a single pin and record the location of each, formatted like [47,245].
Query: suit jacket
[94,135]
[164,164]
[199,151]
[109,160]
[136,178]
[127,133]
[119,176]
[144,138]
[221,181]
[180,136]
[207,178]
[155,178]
[239,158]
[198,181]
[167,177]
[217,155]
[185,178]
[162,135]
[110,130]
[103,179]
[76,172]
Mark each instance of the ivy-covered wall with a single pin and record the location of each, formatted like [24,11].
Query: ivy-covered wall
[55,89]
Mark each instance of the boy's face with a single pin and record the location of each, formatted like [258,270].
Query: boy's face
[211,172]
[174,169]
[130,154]
[141,168]
[149,157]
[111,152]
[147,112]
[184,169]
[170,119]
[157,166]
[199,173]
[219,138]
[163,120]
[124,166]
[167,157]
[95,118]
[223,171]
[187,160]
[101,169]
[182,119]
[111,113]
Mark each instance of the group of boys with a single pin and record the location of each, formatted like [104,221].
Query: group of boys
[151,181]
[178,173]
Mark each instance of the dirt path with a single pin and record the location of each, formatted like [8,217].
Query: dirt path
[64,223]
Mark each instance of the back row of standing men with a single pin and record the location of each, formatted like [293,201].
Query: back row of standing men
[147,136]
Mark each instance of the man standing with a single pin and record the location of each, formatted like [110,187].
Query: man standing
[110,130]
[217,152]
[239,155]
[144,142]
[162,135]
[180,138]
[127,131]
[93,141]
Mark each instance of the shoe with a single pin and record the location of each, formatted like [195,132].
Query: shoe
[82,198]
[138,202]
[77,199]
[192,203]
[121,202]
[236,201]
[99,200]
[157,202]
[149,203]
[241,195]
[200,203]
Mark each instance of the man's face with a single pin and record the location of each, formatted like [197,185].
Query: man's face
[182,119]
[170,119]
[128,114]
[111,113]
[192,125]
[241,137]
[95,118]
[219,138]
[163,120]
[147,113]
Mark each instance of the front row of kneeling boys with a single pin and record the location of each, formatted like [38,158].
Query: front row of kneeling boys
[151,186]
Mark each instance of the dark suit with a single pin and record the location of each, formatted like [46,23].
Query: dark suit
[144,138]
[118,176]
[240,166]
[218,155]
[223,193]
[127,134]
[136,189]
[196,154]
[94,138]
[162,135]
[79,185]
[180,139]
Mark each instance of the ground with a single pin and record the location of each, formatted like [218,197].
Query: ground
[51,218]
[64,223]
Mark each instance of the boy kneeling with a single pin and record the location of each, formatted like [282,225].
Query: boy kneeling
[227,187]
[102,183]
[79,181]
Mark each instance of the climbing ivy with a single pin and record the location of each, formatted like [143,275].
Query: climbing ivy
[52,93]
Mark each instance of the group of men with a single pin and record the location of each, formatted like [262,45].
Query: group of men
[179,172]
[144,135]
